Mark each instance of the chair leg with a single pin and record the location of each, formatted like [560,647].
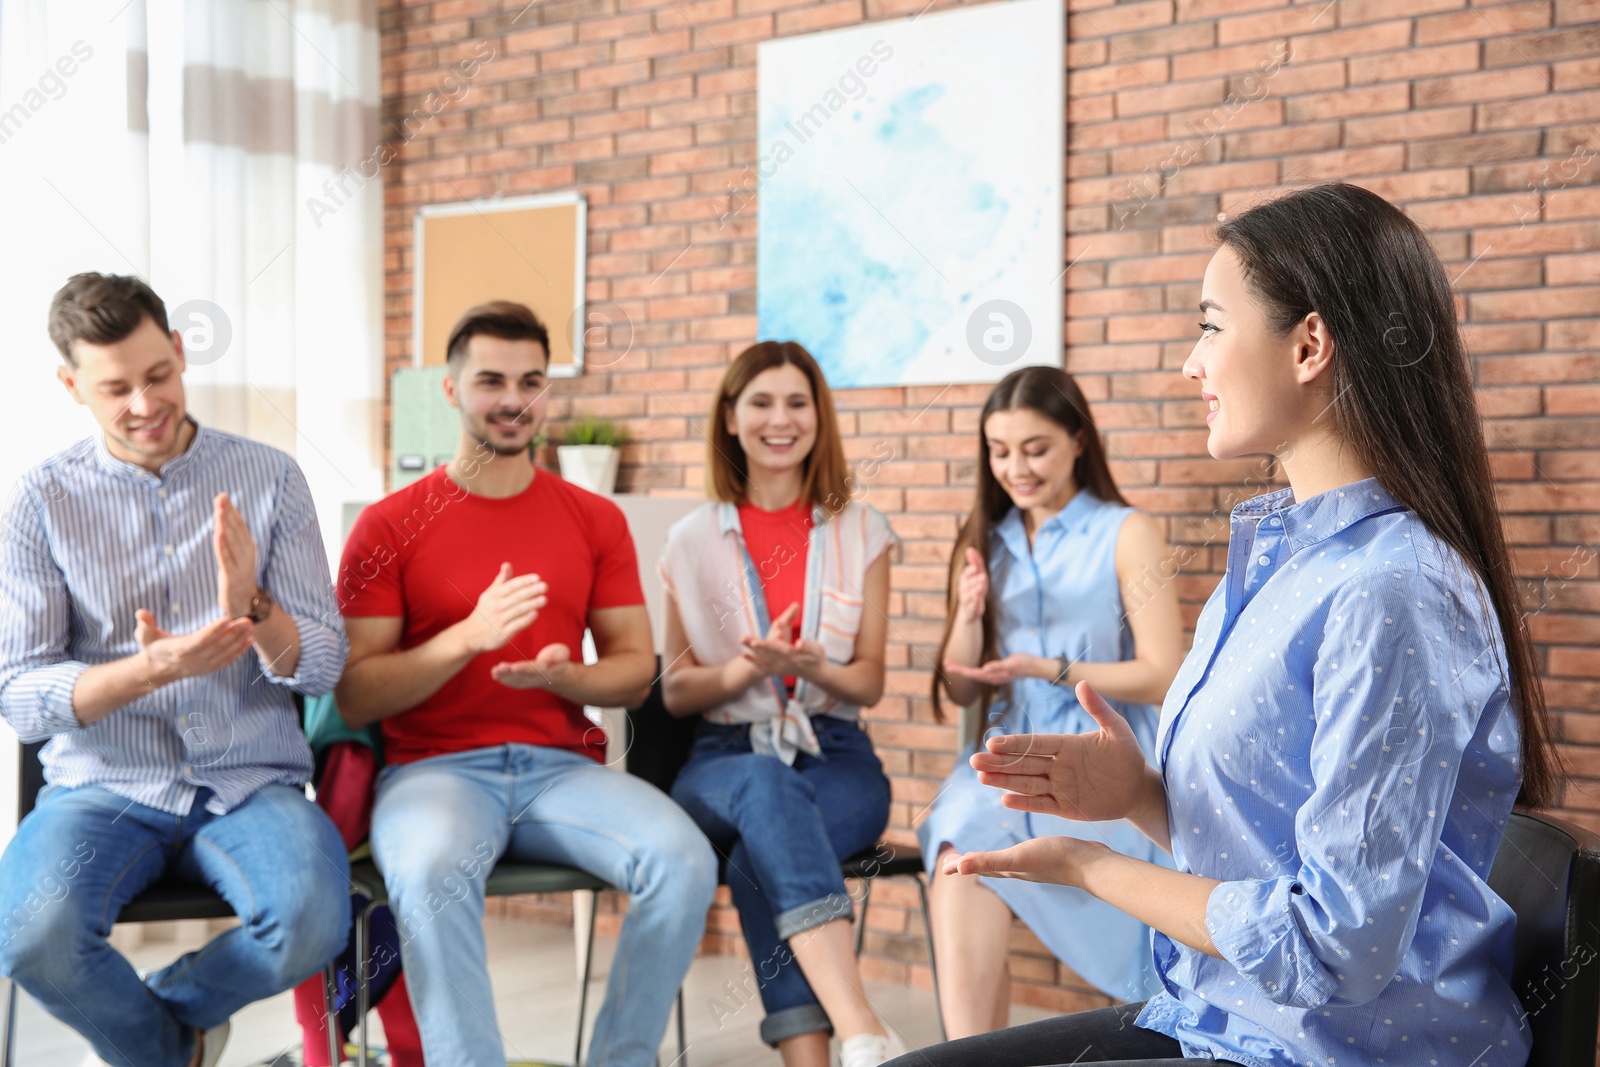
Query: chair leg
[933,962]
[330,991]
[8,1051]
[583,987]
[683,1042]
[363,982]
[861,923]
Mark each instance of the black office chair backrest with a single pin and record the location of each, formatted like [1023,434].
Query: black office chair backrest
[1549,872]
[657,742]
[30,777]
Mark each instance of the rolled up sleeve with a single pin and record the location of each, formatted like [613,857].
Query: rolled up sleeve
[296,574]
[37,677]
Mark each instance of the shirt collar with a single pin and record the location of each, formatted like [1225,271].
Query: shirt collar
[123,469]
[1074,518]
[1315,519]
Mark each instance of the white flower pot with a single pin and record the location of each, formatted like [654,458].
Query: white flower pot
[594,467]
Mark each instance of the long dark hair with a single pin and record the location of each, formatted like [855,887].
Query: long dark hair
[1050,392]
[1403,397]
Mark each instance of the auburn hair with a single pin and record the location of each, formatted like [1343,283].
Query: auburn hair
[825,476]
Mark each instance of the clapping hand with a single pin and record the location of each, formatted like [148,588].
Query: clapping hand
[776,654]
[546,670]
[1089,777]
[235,550]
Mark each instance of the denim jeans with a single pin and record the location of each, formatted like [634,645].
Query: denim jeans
[82,854]
[1086,1039]
[783,831]
[439,825]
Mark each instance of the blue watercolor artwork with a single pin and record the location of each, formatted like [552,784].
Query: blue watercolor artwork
[909,180]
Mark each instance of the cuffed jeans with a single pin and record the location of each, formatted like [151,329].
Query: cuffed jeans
[440,824]
[82,854]
[784,830]
[1087,1039]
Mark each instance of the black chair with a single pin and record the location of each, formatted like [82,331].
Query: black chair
[658,746]
[166,901]
[1549,872]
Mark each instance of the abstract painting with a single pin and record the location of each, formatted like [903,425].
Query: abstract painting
[909,178]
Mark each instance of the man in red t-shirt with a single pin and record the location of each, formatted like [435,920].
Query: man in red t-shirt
[466,595]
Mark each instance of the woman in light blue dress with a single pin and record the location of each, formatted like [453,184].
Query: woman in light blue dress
[1054,580]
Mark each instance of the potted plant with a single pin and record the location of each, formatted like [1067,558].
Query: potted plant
[589,452]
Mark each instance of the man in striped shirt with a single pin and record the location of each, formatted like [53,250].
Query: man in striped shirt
[163,592]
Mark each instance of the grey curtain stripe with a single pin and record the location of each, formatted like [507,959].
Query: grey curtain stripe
[261,116]
[139,92]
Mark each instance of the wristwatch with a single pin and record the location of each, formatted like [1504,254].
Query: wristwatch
[1065,663]
[260,606]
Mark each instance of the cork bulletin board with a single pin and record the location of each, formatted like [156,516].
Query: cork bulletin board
[529,249]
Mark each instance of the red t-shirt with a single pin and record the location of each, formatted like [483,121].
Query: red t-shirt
[777,541]
[426,552]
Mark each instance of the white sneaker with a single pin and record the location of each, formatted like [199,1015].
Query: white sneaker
[869,1050]
[211,1043]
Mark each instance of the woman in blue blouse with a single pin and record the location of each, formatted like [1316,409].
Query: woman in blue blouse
[1067,587]
[1343,745]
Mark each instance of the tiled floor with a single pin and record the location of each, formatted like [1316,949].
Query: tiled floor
[536,1002]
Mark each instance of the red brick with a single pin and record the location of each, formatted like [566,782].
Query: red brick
[1545,111]
[1478,148]
[1409,126]
[1372,100]
[1422,185]
[1377,37]
[821,16]
[1243,175]
[1304,18]
[1416,63]
[1475,88]
[1576,74]
[1170,40]
[1572,270]
[1281,141]
[1354,12]
[1116,76]
[1121,18]
[1330,166]
[1474,211]
[1565,43]
[1298,78]
[1573,400]
[1477,22]
[1165,98]
[1548,238]
[1496,370]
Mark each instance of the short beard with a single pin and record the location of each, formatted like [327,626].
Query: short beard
[484,442]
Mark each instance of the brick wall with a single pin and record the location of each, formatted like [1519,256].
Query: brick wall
[1479,118]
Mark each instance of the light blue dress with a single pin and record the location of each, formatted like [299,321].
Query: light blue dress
[1059,597]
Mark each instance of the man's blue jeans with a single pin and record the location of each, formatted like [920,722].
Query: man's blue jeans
[440,824]
[82,854]
[784,831]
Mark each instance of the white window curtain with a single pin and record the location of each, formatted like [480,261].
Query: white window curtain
[195,143]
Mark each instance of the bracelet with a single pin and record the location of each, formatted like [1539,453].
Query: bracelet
[1065,662]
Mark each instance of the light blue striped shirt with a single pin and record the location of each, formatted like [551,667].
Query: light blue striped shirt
[88,540]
